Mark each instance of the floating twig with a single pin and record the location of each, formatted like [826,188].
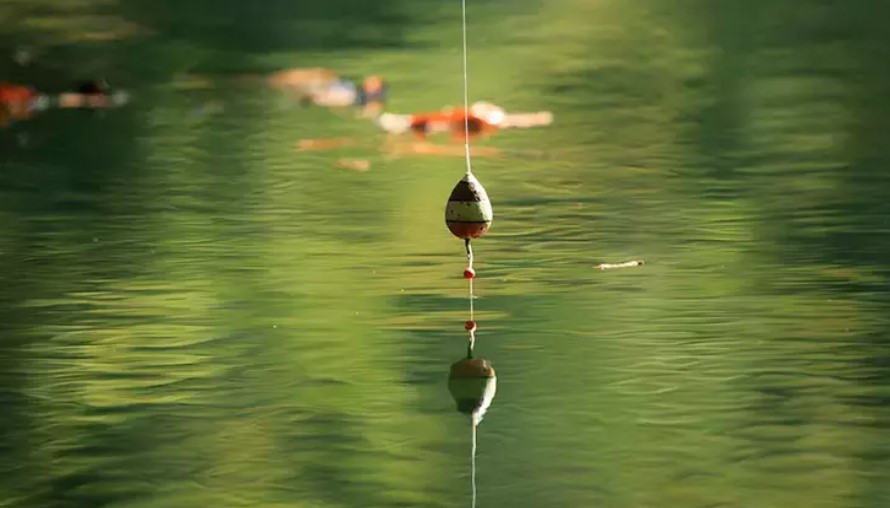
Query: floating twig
[360,165]
[626,264]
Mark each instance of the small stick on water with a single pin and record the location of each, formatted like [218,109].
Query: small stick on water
[361,165]
[626,264]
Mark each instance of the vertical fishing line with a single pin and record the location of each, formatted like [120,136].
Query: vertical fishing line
[469,273]
[470,277]
[466,89]
[473,465]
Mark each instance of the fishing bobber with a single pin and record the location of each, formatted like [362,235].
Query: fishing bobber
[473,384]
[468,213]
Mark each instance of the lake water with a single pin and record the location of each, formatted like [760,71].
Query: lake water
[193,312]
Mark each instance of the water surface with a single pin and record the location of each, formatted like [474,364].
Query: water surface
[195,313]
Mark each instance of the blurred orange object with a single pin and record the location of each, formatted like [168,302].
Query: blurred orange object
[16,102]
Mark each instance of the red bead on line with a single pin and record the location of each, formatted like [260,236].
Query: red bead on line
[469,273]
[470,326]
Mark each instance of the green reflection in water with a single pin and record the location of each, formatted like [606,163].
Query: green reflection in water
[195,313]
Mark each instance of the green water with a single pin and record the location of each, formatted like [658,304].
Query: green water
[196,314]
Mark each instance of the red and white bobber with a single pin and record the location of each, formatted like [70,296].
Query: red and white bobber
[468,213]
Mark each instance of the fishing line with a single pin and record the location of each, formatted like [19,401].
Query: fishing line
[473,465]
[466,88]
[469,273]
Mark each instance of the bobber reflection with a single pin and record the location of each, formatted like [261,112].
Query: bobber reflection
[473,385]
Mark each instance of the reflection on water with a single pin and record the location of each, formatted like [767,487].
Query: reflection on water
[473,385]
[193,312]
